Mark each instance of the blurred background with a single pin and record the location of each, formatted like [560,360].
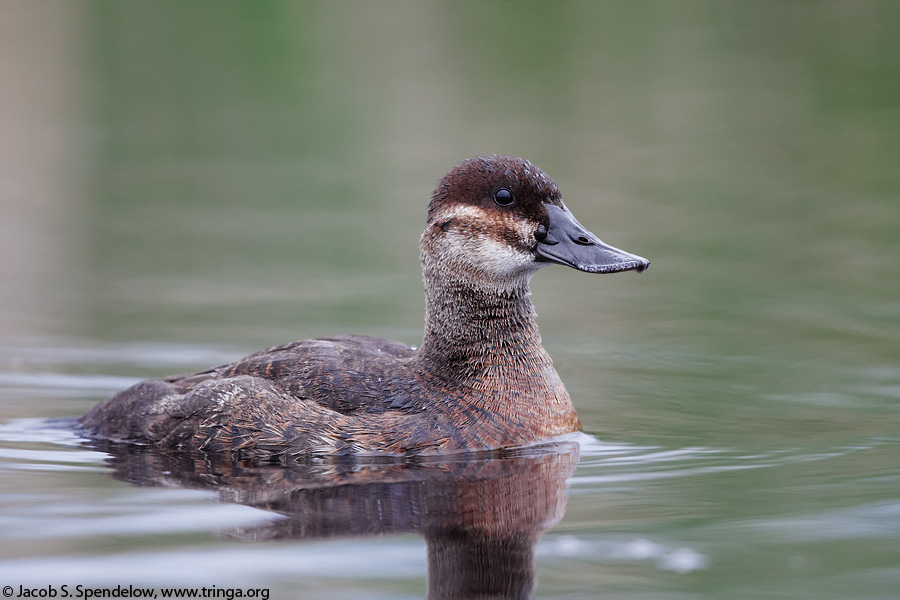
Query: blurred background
[184,182]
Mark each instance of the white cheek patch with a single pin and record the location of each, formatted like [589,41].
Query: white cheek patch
[481,247]
[485,253]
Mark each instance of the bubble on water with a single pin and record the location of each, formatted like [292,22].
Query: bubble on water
[569,545]
[683,560]
[640,549]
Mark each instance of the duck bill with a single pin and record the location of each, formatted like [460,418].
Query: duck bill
[568,243]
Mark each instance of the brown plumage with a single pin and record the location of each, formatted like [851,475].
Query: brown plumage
[481,380]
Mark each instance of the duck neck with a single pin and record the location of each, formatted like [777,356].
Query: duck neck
[472,329]
[483,341]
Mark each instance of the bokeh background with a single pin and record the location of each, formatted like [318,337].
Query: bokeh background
[183,182]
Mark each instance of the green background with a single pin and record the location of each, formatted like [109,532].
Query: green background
[207,178]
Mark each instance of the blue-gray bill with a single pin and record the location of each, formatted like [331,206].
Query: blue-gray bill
[565,241]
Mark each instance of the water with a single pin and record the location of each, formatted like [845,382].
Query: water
[182,184]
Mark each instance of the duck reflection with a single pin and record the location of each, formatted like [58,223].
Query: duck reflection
[480,516]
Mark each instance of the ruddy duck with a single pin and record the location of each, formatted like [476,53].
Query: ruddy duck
[480,381]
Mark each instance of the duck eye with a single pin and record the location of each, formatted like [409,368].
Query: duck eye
[504,197]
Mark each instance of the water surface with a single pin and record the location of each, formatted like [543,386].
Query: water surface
[183,184]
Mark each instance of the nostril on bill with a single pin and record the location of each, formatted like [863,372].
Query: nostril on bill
[582,240]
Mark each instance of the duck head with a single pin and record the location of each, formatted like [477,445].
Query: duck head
[495,220]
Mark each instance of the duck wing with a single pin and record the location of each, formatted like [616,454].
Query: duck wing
[293,396]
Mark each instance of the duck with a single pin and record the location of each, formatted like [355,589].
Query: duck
[481,381]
